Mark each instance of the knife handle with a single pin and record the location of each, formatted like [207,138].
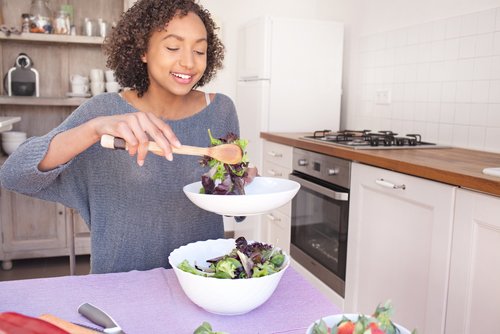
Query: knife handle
[96,315]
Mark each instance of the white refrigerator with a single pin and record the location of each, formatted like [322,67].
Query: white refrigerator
[289,80]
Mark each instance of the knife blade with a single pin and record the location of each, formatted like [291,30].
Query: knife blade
[99,317]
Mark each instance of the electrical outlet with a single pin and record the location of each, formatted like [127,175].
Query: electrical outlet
[383,96]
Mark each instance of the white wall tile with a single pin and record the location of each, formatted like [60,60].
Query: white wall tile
[495,68]
[409,92]
[484,45]
[433,112]
[462,113]
[438,30]
[494,91]
[438,50]
[486,21]
[452,27]
[435,91]
[480,91]
[479,114]
[468,24]
[423,72]
[482,68]
[437,71]
[449,92]
[465,69]
[492,140]
[432,132]
[467,47]
[477,135]
[494,115]
[451,49]
[496,43]
[464,91]
[460,135]
[447,113]
[421,92]
[420,112]
[445,135]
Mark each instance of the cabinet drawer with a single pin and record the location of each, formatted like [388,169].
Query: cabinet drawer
[278,228]
[273,170]
[278,154]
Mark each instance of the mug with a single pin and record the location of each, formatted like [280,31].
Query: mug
[110,76]
[79,88]
[112,87]
[79,79]
[96,75]
[97,87]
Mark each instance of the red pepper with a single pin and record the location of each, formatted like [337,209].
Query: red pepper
[16,323]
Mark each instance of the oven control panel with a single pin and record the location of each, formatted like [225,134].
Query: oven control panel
[322,166]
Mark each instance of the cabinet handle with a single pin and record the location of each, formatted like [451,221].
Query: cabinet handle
[272,172]
[275,155]
[388,184]
[272,218]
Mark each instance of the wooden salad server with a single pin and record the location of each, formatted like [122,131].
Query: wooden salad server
[226,153]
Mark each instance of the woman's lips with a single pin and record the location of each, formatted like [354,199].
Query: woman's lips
[182,77]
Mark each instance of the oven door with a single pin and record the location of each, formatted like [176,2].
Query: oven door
[320,213]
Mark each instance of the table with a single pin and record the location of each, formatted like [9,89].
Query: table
[153,302]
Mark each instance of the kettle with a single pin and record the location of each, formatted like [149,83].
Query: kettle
[22,79]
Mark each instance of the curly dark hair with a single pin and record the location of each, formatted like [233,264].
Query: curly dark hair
[128,41]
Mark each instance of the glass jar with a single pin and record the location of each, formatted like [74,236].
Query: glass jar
[61,23]
[41,17]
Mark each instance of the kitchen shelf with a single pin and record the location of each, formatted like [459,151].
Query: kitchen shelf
[41,101]
[51,38]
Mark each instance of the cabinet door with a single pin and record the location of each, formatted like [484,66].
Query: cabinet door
[399,245]
[81,234]
[278,226]
[474,294]
[30,224]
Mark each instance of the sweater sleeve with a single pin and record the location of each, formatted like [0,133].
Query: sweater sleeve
[20,171]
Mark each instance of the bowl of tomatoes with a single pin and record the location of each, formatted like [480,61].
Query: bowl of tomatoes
[349,323]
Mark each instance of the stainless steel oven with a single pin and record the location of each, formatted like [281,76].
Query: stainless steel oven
[320,214]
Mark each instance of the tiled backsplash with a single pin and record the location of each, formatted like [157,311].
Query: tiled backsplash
[443,78]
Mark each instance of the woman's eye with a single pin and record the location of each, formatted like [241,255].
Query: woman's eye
[172,49]
[201,53]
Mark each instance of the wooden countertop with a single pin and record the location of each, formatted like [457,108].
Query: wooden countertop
[454,166]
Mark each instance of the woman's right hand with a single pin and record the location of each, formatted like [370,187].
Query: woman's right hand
[134,128]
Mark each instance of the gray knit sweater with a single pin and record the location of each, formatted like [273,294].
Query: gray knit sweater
[137,215]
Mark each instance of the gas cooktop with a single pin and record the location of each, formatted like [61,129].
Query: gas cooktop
[368,140]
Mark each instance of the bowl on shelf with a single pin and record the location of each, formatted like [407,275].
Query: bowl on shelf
[11,140]
[262,195]
[218,295]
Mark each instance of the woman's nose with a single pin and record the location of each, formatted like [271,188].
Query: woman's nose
[187,59]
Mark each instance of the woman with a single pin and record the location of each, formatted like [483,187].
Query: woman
[134,206]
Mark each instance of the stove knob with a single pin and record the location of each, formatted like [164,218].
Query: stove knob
[303,162]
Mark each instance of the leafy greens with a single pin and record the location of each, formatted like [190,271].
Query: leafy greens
[245,261]
[225,179]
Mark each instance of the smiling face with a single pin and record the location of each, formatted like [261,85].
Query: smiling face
[177,56]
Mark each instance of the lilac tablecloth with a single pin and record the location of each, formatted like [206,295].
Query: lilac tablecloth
[153,302]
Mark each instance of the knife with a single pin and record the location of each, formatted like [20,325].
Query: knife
[101,318]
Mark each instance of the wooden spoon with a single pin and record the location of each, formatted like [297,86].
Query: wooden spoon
[226,153]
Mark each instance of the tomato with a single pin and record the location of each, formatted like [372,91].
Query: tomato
[16,323]
[346,328]
[373,326]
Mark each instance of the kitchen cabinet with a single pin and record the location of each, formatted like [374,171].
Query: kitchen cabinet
[474,293]
[399,246]
[31,227]
[277,162]
[274,226]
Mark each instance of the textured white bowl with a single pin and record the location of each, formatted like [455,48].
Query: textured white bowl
[12,135]
[262,195]
[332,320]
[10,147]
[221,296]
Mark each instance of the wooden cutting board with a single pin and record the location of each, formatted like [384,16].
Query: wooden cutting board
[66,325]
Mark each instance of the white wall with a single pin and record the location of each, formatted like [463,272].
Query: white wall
[440,60]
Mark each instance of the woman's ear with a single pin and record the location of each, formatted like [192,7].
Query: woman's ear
[144,58]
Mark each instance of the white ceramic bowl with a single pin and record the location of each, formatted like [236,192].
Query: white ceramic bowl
[10,146]
[262,195]
[221,296]
[13,135]
[332,320]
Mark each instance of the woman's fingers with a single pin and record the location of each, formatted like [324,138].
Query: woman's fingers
[162,134]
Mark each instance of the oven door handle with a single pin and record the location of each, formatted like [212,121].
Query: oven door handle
[336,195]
